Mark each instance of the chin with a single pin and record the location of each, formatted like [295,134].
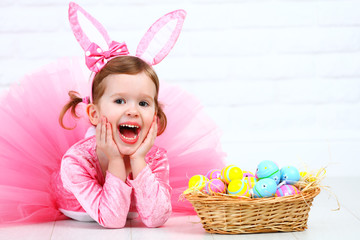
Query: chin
[127,151]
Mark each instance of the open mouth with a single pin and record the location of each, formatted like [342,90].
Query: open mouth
[129,133]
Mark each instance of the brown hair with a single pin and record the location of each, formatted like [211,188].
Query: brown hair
[119,65]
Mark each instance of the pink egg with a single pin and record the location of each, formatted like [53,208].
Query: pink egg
[215,186]
[286,190]
[247,174]
[213,174]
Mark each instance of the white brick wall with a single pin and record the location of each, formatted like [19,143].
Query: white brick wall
[281,78]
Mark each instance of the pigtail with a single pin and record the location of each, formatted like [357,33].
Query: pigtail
[162,120]
[72,103]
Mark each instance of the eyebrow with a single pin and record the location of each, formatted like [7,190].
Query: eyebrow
[124,94]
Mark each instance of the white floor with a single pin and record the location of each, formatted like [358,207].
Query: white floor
[323,223]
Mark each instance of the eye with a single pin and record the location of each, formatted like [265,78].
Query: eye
[264,185]
[120,101]
[144,104]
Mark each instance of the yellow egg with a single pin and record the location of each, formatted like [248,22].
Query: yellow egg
[198,182]
[305,176]
[231,173]
[239,188]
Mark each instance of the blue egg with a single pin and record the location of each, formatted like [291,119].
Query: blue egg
[268,169]
[265,188]
[290,175]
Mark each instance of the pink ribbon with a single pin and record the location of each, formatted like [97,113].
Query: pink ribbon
[86,100]
[96,58]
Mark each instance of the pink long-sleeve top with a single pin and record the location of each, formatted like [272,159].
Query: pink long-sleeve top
[81,187]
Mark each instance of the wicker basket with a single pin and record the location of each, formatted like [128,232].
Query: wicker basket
[228,215]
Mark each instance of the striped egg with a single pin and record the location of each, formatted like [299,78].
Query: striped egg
[198,182]
[248,174]
[215,186]
[250,181]
[268,169]
[213,174]
[286,190]
[238,188]
[231,173]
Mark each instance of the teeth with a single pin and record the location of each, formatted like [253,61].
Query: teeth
[128,138]
[130,126]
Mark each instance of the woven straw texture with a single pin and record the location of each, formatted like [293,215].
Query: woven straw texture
[228,215]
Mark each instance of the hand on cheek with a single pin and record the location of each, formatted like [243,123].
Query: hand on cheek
[105,141]
[137,160]
[148,142]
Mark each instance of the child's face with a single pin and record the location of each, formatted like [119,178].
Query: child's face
[128,104]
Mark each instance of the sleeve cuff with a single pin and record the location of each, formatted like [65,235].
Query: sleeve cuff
[140,181]
[115,181]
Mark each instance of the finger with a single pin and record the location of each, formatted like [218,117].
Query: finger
[152,133]
[108,132]
[155,128]
[103,130]
[157,123]
[98,133]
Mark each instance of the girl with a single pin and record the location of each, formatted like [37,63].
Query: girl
[50,173]
[124,167]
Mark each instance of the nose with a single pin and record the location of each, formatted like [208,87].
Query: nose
[132,111]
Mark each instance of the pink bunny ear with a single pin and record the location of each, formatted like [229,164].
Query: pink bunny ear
[161,37]
[95,57]
[77,30]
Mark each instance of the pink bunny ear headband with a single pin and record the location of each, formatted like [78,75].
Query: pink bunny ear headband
[153,47]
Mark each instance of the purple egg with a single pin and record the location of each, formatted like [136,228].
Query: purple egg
[214,174]
[215,186]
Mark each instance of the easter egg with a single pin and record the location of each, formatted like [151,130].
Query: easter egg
[237,187]
[305,176]
[231,173]
[265,188]
[215,186]
[268,169]
[197,182]
[286,190]
[290,175]
[213,174]
[251,181]
[247,174]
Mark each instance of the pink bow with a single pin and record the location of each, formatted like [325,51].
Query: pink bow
[96,58]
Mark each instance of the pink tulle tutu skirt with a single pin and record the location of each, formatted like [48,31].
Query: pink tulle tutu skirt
[32,142]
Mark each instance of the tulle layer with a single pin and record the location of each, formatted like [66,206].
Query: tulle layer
[32,142]
[191,139]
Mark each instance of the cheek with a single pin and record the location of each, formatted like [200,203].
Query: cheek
[148,119]
[110,113]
